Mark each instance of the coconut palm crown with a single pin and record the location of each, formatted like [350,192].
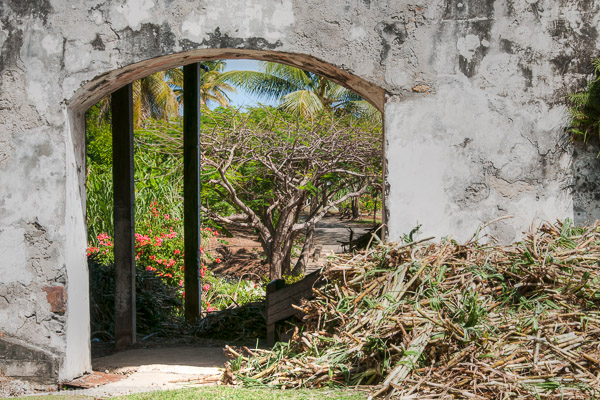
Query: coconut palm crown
[298,91]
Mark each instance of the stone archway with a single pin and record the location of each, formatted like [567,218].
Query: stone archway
[113,81]
[108,82]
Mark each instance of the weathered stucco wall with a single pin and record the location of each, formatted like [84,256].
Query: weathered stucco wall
[489,141]
[474,119]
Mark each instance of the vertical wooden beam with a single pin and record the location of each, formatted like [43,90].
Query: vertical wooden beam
[123,215]
[384,183]
[191,190]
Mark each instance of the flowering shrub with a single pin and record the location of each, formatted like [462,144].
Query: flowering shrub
[102,252]
[159,248]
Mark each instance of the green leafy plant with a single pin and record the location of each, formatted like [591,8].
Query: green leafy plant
[585,108]
[159,251]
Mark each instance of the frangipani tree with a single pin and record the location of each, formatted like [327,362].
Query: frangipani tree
[270,166]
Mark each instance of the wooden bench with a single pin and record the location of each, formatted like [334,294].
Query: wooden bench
[281,297]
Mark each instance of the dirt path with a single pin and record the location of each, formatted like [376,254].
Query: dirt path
[329,235]
[242,254]
[166,366]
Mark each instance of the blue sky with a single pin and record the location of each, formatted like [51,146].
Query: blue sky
[242,98]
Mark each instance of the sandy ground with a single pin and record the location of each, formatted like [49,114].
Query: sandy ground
[136,371]
[152,369]
[159,369]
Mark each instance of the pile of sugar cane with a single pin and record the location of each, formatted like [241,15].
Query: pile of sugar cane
[447,321]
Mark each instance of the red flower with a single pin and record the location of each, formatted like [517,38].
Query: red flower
[206,287]
[103,236]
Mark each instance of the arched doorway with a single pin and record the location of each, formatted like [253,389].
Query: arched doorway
[117,83]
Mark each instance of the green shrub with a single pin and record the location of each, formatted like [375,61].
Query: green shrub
[585,108]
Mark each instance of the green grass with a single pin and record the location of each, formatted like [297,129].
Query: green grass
[229,393]
[57,397]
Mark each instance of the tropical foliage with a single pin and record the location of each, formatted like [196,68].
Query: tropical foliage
[158,239]
[300,92]
[280,165]
[160,95]
[585,108]
[270,167]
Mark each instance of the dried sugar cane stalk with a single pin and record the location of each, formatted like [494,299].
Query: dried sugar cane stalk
[406,364]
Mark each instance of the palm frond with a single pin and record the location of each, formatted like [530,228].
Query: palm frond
[342,95]
[295,76]
[302,102]
[362,109]
[260,84]
[215,89]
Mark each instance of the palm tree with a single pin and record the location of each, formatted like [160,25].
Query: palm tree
[213,89]
[154,96]
[300,91]
[160,95]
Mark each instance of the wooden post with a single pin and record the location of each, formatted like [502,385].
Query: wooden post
[384,185]
[123,215]
[191,190]
[272,287]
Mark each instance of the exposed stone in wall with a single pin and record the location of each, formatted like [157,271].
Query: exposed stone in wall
[20,359]
[474,117]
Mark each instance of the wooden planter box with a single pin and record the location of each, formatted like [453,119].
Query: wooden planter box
[280,299]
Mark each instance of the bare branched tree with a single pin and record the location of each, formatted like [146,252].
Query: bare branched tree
[272,170]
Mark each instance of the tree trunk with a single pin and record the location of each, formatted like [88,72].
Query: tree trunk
[375,210]
[307,249]
[276,265]
[355,207]
[287,262]
[281,245]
